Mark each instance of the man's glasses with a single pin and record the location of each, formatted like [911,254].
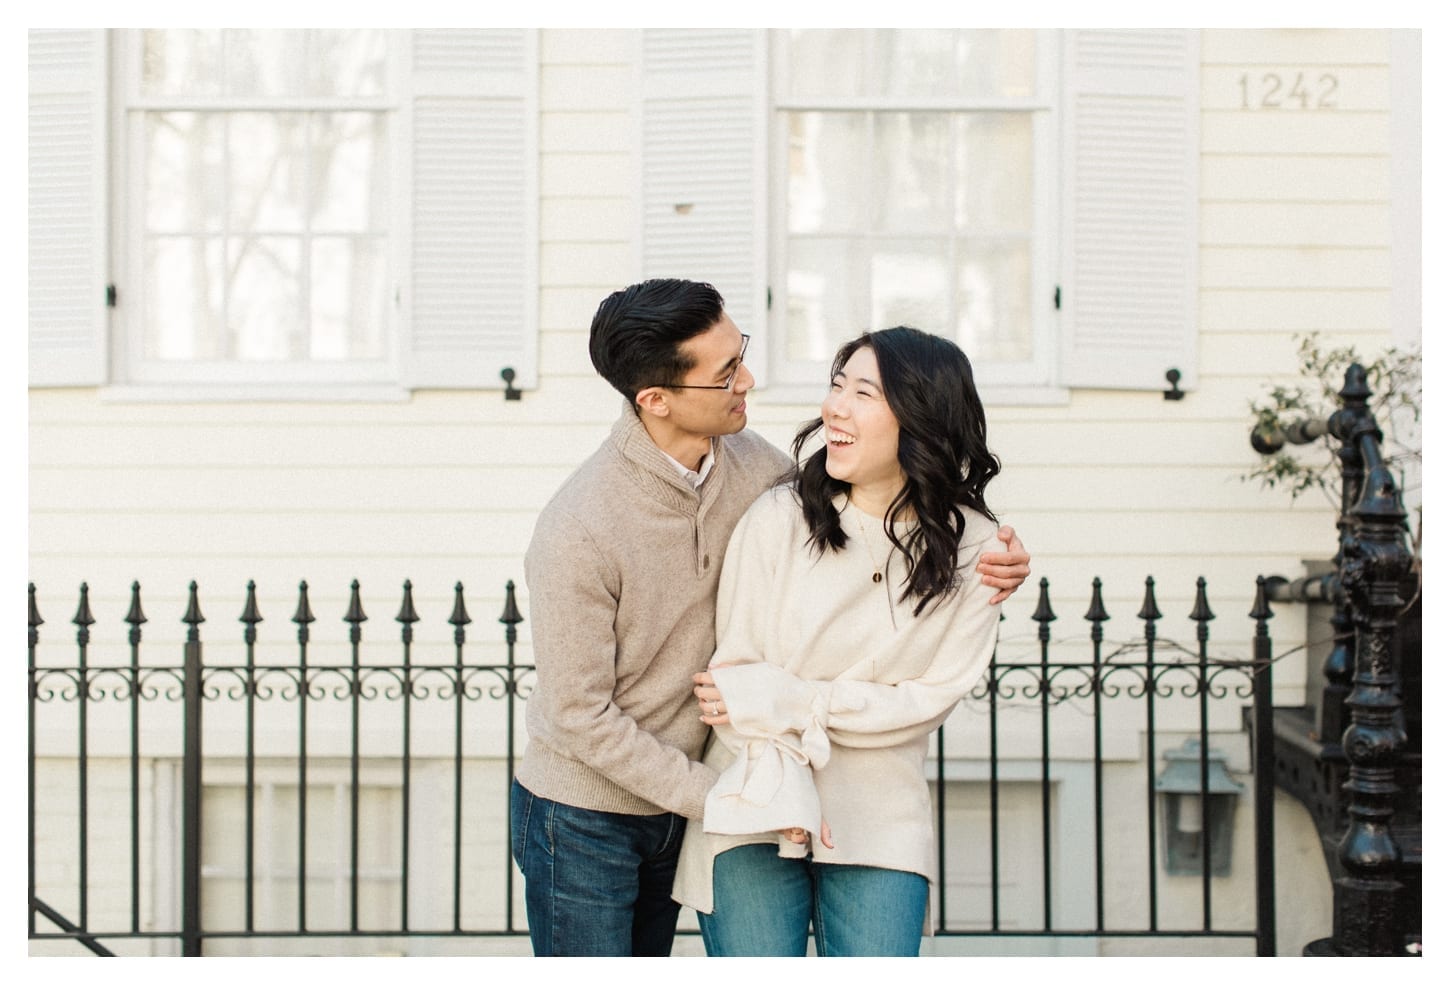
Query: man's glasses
[729,380]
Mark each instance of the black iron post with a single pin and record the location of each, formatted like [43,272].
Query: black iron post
[1263,738]
[510,619]
[191,783]
[1367,897]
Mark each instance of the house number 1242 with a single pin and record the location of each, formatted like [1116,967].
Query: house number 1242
[1275,91]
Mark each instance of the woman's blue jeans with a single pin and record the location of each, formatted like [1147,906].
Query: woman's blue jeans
[596,884]
[765,905]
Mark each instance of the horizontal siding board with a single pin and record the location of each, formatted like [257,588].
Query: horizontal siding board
[1326,268]
[1337,46]
[1274,224]
[1352,134]
[580,88]
[1287,309]
[1245,177]
[353,535]
[595,175]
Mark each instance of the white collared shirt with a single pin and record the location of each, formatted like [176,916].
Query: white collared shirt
[691,476]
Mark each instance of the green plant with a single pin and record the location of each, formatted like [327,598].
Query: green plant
[1394,382]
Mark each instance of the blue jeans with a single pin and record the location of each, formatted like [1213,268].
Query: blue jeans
[765,904]
[595,883]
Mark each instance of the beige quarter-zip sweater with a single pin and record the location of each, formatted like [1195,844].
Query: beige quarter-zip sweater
[835,691]
[622,572]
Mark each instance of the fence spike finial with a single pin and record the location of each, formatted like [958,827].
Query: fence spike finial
[35,619]
[134,615]
[510,615]
[193,616]
[83,617]
[251,614]
[1044,612]
[1261,611]
[459,618]
[304,614]
[1149,612]
[355,612]
[1096,611]
[1201,612]
[407,615]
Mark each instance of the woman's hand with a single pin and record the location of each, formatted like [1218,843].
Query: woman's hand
[712,702]
[1005,570]
[801,836]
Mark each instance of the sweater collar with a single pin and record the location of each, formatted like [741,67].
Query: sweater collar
[656,470]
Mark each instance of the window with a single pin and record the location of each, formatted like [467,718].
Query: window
[262,182]
[913,187]
[283,214]
[1030,194]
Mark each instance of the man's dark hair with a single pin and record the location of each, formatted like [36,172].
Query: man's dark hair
[635,338]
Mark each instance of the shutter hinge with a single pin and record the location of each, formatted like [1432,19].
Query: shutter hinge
[110,295]
[1057,297]
[769,298]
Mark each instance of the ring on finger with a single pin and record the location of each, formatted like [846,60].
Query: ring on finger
[715,708]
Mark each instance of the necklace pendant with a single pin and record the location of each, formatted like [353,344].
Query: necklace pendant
[876,577]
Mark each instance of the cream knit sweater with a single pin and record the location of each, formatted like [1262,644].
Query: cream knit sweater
[835,690]
[622,572]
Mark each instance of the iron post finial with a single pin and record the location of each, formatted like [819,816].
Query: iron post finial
[1149,612]
[251,614]
[134,615]
[407,615]
[510,615]
[303,615]
[459,618]
[83,617]
[35,619]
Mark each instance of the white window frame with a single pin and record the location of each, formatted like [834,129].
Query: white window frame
[1029,382]
[138,377]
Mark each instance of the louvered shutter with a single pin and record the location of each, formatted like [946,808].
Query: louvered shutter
[474,238]
[703,153]
[67,220]
[1130,264]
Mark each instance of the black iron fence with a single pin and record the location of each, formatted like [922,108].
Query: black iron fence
[1036,813]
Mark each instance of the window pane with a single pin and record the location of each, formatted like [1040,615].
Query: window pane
[994,319]
[910,285]
[824,307]
[828,172]
[927,63]
[268,171]
[912,185]
[180,62]
[264,62]
[349,296]
[909,63]
[184,172]
[349,171]
[995,191]
[828,62]
[184,298]
[347,63]
[264,304]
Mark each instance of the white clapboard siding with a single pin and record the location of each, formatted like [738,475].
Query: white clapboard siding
[1130,208]
[703,145]
[67,216]
[474,158]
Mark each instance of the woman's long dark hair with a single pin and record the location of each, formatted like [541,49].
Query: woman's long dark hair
[942,449]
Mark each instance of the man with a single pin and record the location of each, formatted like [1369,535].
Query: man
[622,574]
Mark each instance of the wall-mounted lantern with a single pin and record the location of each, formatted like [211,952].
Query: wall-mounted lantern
[1187,813]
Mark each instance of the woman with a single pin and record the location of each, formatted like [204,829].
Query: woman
[851,622]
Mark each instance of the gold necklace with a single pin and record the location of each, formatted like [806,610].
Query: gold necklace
[876,568]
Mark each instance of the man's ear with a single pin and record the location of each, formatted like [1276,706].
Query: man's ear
[651,400]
